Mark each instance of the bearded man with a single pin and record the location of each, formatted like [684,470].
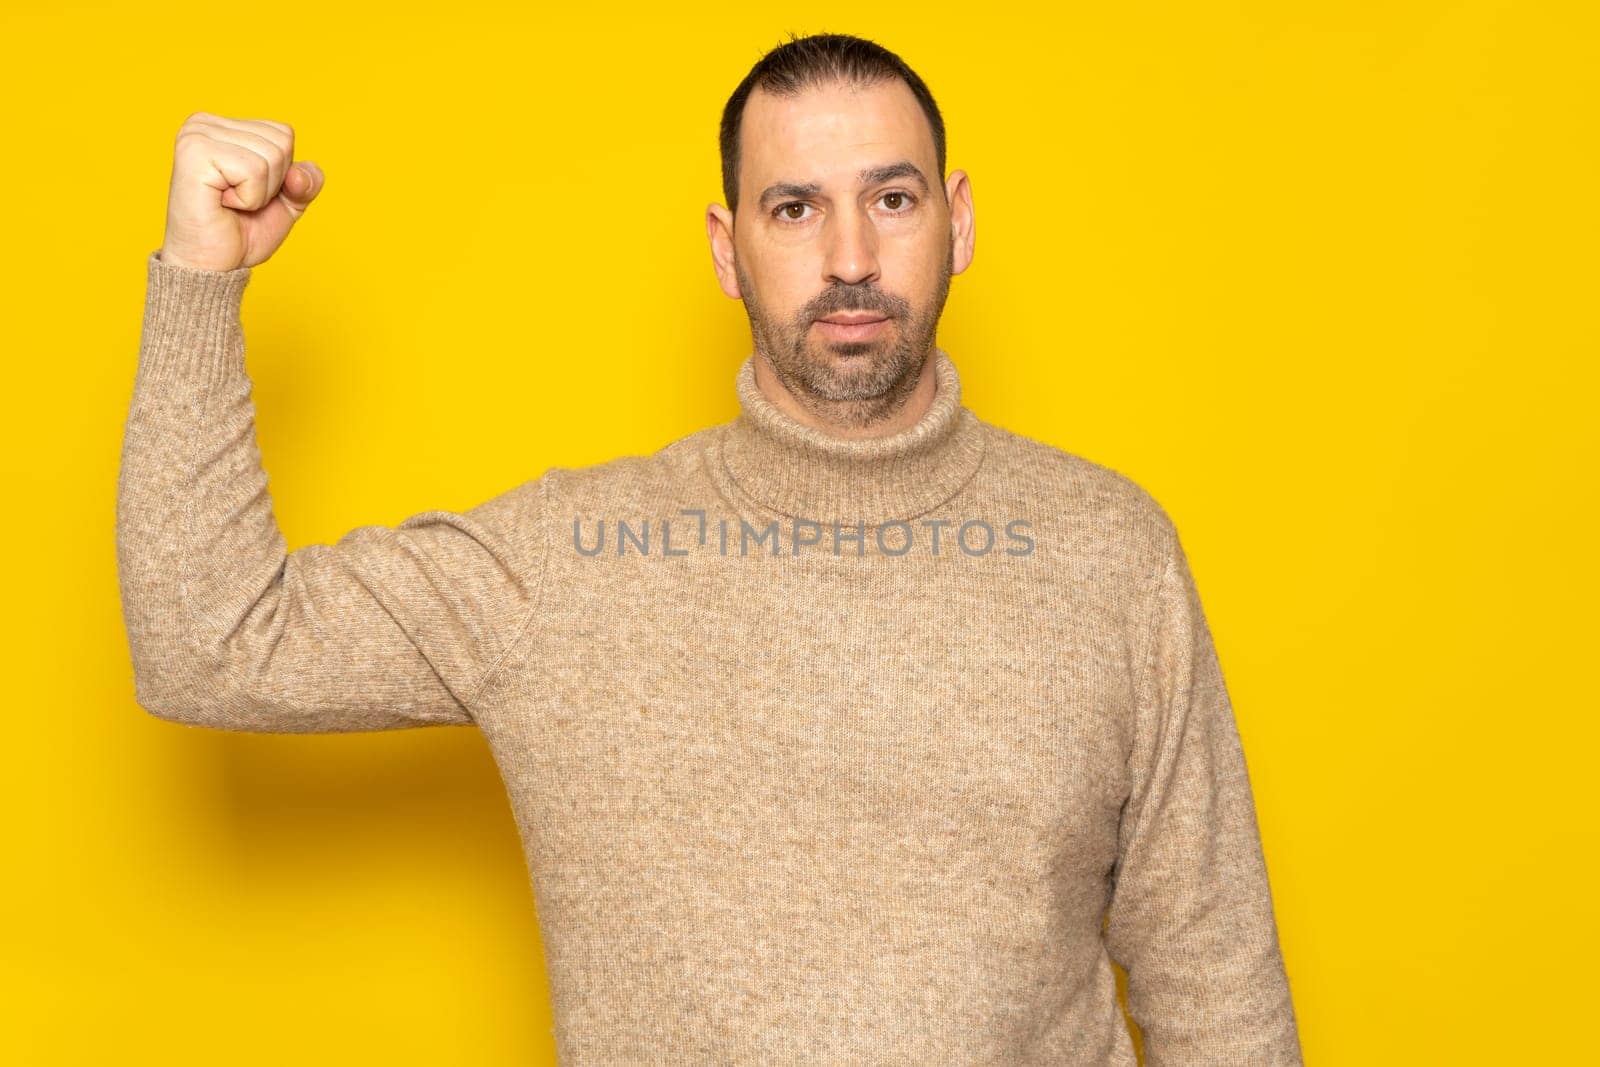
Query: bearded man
[871,786]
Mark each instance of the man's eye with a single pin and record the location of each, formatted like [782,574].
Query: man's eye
[903,198]
[782,211]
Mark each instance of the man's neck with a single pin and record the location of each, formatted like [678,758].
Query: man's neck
[854,419]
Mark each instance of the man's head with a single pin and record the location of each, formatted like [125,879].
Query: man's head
[833,160]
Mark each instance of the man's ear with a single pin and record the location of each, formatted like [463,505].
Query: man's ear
[719,231]
[963,224]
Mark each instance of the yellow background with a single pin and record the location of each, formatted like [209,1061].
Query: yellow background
[1320,276]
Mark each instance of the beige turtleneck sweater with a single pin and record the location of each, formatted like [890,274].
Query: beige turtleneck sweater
[820,750]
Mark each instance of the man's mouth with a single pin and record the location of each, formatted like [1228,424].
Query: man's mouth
[853,318]
[852,325]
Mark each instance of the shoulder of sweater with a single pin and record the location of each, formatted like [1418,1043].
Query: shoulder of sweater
[1078,489]
[636,477]
[640,480]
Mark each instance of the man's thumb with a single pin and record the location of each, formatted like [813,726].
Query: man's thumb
[303,182]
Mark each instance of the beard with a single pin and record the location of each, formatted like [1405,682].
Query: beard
[853,383]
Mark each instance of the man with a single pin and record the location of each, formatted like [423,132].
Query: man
[856,729]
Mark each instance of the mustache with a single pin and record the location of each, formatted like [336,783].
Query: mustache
[845,298]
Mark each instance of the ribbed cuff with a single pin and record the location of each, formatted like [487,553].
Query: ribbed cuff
[191,322]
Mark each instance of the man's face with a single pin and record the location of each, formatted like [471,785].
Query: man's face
[842,215]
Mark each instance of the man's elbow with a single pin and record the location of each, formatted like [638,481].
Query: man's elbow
[184,699]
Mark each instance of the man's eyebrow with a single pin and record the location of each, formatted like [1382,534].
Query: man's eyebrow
[870,176]
[785,190]
[889,172]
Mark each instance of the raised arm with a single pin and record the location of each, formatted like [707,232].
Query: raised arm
[1191,917]
[389,627]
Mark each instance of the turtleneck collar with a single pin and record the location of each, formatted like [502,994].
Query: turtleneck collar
[806,473]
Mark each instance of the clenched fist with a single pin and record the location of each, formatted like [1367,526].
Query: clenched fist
[234,192]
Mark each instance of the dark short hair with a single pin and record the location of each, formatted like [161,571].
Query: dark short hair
[808,62]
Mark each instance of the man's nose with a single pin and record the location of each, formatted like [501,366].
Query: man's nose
[851,255]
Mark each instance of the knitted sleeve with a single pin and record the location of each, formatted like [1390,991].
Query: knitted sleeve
[389,627]
[1191,916]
